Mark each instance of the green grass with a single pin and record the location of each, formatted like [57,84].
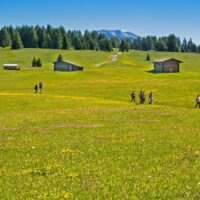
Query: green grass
[83,139]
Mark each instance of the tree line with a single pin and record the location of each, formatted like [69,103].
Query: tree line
[52,38]
[58,38]
[170,43]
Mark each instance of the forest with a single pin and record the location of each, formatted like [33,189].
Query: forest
[59,38]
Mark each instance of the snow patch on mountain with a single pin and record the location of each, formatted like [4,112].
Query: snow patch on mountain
[119,34]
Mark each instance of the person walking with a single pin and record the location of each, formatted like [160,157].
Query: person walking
[151,98]
[40,87]
[133,96]
[140,96]
[36,88]
[143,97]
[198,101]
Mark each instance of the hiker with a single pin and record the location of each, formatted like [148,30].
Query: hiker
[143,97]
[133,97]
[40,87]
[198,101]
[151,97]
[140,96]
[36,88]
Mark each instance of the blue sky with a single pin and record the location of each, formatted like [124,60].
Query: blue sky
[143,17]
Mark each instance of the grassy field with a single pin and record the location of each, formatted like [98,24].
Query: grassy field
[83,139]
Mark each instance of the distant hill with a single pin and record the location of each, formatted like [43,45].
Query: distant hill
[119,34]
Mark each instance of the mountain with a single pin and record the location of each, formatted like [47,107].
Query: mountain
[119,34]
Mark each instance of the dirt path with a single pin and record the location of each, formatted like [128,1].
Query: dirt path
[114,59]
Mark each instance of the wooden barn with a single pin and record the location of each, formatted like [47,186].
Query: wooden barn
[66,66]
[11,67]
[168,65]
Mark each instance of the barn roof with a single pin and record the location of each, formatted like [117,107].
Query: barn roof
[166,59]
[11,65]
[63,61]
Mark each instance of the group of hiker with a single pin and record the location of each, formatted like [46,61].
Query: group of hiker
[38,86]
[142,97]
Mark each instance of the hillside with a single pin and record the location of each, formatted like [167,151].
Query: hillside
[83,138]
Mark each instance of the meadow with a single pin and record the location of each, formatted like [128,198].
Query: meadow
[83,138]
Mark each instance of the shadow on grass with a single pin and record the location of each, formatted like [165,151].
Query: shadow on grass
[151,71]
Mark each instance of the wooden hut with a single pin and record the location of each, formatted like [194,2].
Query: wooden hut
[167,65]
[66,66]
[11,67]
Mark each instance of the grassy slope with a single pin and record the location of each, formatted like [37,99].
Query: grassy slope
[83,138]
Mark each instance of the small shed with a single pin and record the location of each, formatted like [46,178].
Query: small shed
[167,65]
[11,67]
[66,66]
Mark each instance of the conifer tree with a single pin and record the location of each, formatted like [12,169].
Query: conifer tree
[148,58]
[65,42]
[172,43]
[124,46]
[38,63]
[108,46]
[5,38]
[42,39]
[60,58]
[49,41]
[58,41]
[184,46]
[32,38]
[34,62]
[77,43]
[114,42]
[198,48]
[161,46]
[17,43]
[102,44]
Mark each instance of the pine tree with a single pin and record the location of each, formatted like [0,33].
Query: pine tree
[137,44]
[84,46]
[145,46]
[124,46]
[42,39]
[184,47]
[150,42]
[102,44]
[172,43]
[191,46]
[161,45]
[60,58]
[32,38]
[87,39]
[115,42]
[108,46]
[58,40]
[65,42]
[5,38]
[77,43]
[92,44]
[17,43]
[198,48]
[12,32]
[49,41]
[38,63]
[148,58]
[34,62]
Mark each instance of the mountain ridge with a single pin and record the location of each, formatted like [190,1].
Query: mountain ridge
[119,34]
